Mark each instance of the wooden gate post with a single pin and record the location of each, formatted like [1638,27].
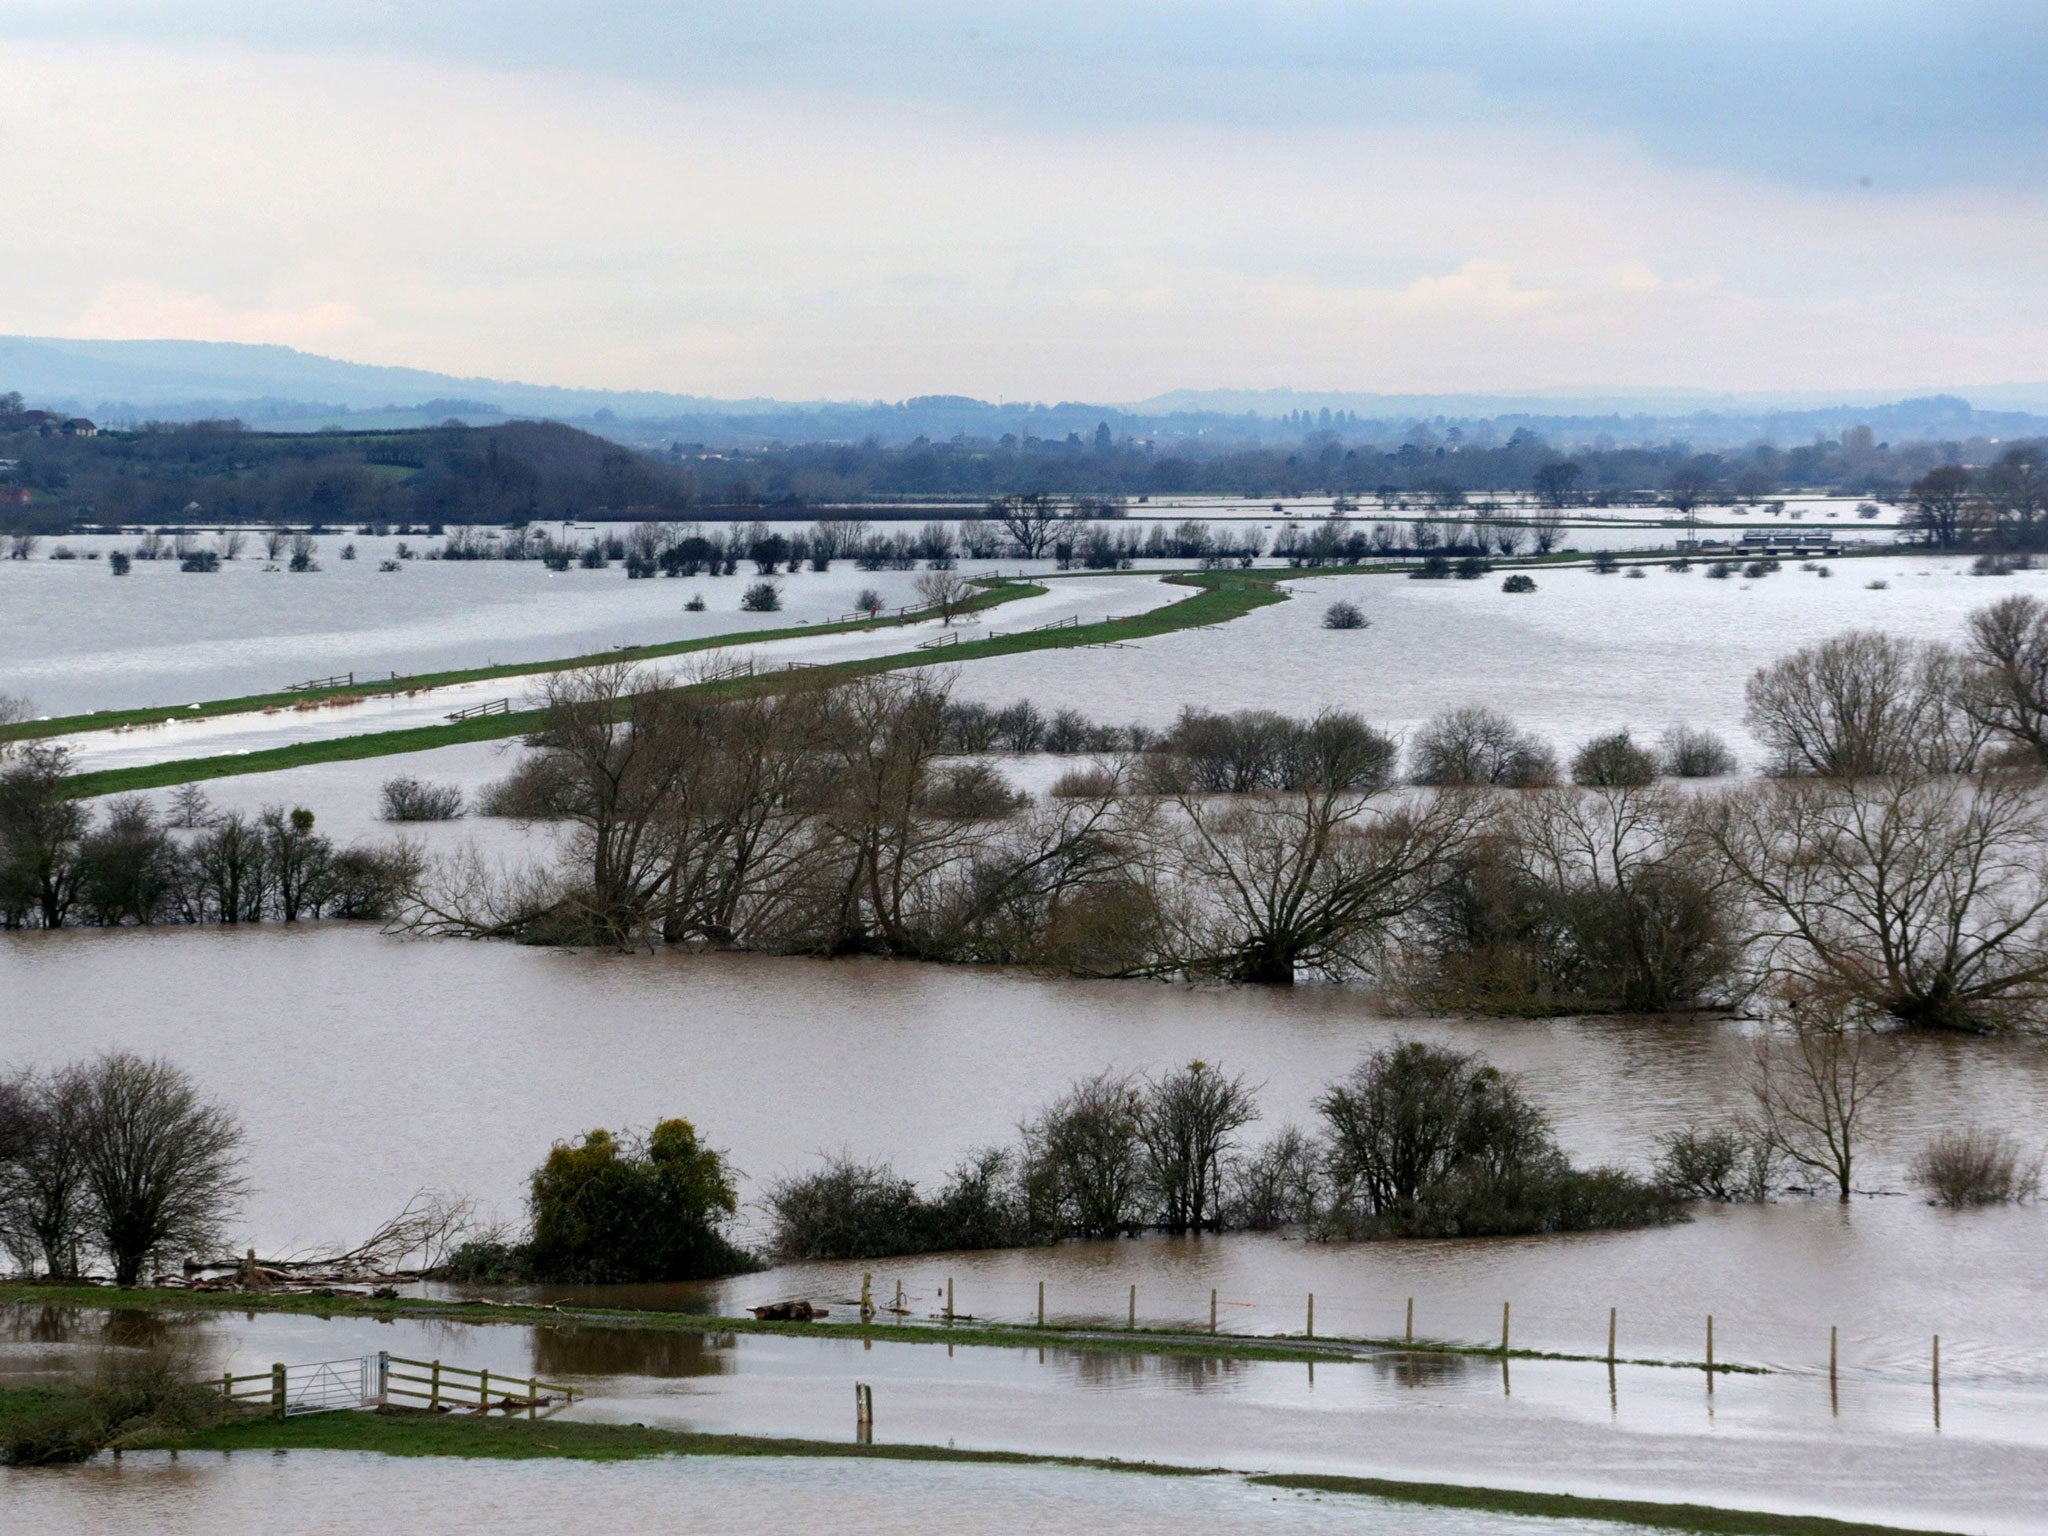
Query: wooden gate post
[277,1397]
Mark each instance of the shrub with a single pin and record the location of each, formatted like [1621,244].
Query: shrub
[1280,1185]
[1880,585]
[849,1210]
[1990,564]
[1519,583]
[761,597]
[1472,567]
[617,1209]
[1974,1166]
[409,799]
[1434,567]
[1734,1163]
[1613,762]
[1687,752]
[1343,615]
[488,1261]
[152,1395]
[1604,562]
[1083,784]
[1475,745]
[201,560]
[1756,570]
[1721,570]
[695,604]
[1432,1142]
[118,561]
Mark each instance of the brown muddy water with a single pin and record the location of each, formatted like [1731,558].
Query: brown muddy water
[1872,1450]
[367,1067]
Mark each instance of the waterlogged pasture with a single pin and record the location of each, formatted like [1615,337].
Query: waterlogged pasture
[1585,653]
[368,1067]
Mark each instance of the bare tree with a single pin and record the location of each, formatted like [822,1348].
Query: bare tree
[1924,899]
[1280,883]
[1188,1126]
[1479,746]
[1815,1075]
[1031,519]
[1083,1160]
[161,1164]
[2006,688]
[45,1207]
[14,710]
[1940,501]
[945,592]
[1863,703]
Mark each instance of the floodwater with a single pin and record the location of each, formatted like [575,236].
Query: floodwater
[1872,1449]
[340,1494]
[1065,599]
[76,639]
[1583,654]
[367,1067]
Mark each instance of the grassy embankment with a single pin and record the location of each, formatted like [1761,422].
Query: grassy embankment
[1183,1341]
[1219,597]
[414,1433]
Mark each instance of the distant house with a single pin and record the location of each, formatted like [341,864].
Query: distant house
[78,426]
[14,496]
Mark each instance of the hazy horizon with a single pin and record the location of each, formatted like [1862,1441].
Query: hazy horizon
[1049,202]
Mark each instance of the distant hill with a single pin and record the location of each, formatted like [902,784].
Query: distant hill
[282,389]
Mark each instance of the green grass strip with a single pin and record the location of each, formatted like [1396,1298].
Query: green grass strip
[1220,597]
[995,591]
[1567,1506]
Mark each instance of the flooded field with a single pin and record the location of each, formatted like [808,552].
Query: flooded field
[368,1067]
[77,640]
[1583,654]
[1871,1450]
[338,1494]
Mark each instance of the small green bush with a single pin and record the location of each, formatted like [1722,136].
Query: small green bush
[617,1209]
[1519,583]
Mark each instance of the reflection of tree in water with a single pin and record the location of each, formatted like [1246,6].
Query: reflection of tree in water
[1188,1373]
[42,1325]
[630,1352]
[1420,1368]
[148,1330]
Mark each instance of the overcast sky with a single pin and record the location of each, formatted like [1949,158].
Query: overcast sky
[1058,200]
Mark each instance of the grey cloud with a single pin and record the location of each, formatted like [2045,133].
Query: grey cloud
[1825,93]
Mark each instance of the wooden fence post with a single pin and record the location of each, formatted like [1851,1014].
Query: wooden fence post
[1411,1320]
[434,1399]
[1041,1303]
[949,1298]
[1311,1314]
[277,1396]
[1133,1323]
[1710,1351]
[1611,1311]
[1504,1328]
[1212,1309]
[483,1391]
